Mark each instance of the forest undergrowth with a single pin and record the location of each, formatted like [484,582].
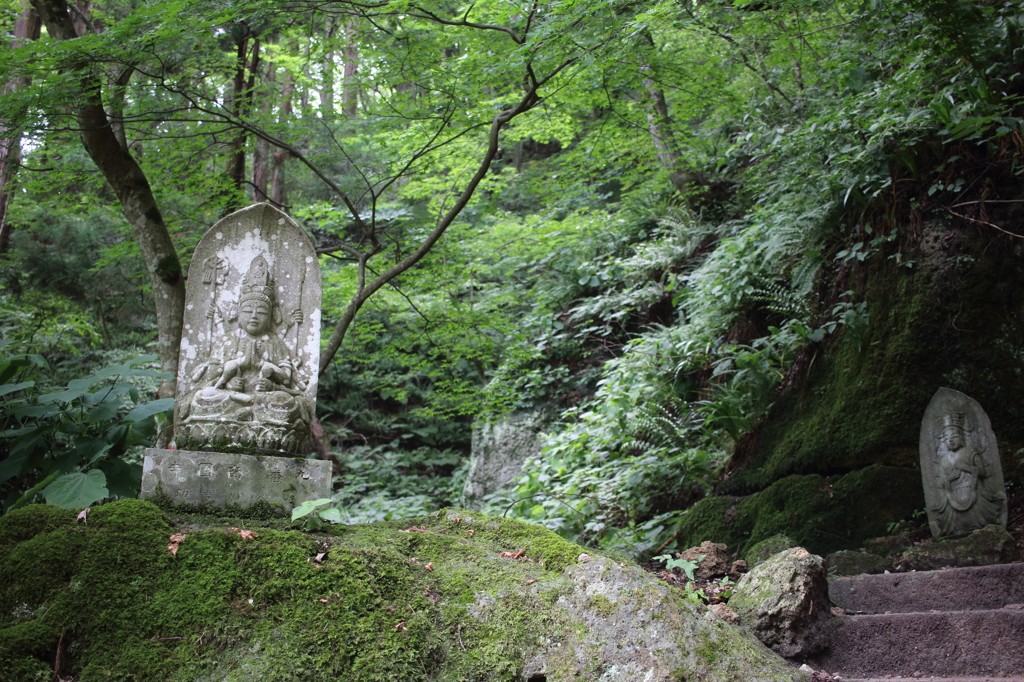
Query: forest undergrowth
[659,249]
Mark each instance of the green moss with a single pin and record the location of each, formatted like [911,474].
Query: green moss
[819,513]
[863,398]
[261,510]
[767,548]
[601,605]
[130,610]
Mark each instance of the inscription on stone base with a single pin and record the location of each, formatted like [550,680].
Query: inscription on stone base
[219,479]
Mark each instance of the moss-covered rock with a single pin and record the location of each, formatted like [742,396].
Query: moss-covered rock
[846,562]
[784,601]
[767,548]
[105,599]
[983,547]
[956,319]
[820,513]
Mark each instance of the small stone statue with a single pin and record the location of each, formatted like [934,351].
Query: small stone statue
[247,375]
[960,468]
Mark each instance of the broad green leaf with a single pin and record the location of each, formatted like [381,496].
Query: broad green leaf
[104,411]
[36,411]
[89,450]
[149,409]
[307,507]
[333,515]
[11,388]
[72,491]
[123,479]
[14,464]
[76,389]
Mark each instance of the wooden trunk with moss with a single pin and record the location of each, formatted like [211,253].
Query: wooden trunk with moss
[835,461]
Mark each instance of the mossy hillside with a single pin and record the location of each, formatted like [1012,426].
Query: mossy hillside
[956,319]
[120,606]
[818,513]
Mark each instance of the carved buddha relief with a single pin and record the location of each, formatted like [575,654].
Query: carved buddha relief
[248,362]
[960,466]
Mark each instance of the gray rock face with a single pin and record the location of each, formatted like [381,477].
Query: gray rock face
[248,362]
[626,625]
[960,468]
[784,601]
[219,479]
[499,449]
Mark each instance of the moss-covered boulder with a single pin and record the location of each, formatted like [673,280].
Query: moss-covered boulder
[454,596]
[784,601]
[955,318]
[765,549]
[983,547]
[820,513]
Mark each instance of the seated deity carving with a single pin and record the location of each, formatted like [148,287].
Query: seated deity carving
[249,395]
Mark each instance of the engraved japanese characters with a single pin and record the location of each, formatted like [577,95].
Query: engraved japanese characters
[960,468]
[248,363]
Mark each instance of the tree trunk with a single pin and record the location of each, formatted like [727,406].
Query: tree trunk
[26,27]
[350,57]
[327,92]
[277,193]
[240,105]
[130,184]
[261,157]
[659,122]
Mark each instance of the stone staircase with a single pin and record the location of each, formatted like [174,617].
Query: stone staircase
[963,624]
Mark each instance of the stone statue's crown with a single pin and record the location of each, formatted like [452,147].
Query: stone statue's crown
[953,419]
[257,285]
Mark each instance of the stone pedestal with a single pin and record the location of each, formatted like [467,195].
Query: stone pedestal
[219,479]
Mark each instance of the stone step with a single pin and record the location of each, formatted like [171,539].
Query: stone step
[976,588]
[916,645]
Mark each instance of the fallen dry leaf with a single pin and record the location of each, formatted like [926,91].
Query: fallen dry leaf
[416,529]
[530,582]
[521,554]
[414,560]
[83,515]
[245,534]
[470,533]
[457,519]
[175,540]
[430,566]
[401,626]
[323,601]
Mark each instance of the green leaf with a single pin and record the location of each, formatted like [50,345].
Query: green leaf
[149,409]
[14,464]
[11,388]
[123,479]
[333,515]
[75,389]
[104,411]
[307,507]
[72,491]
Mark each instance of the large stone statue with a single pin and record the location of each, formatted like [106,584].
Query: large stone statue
[960,468]
[248,363]
[247,371]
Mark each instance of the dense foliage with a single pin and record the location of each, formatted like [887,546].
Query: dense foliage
[661,236]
